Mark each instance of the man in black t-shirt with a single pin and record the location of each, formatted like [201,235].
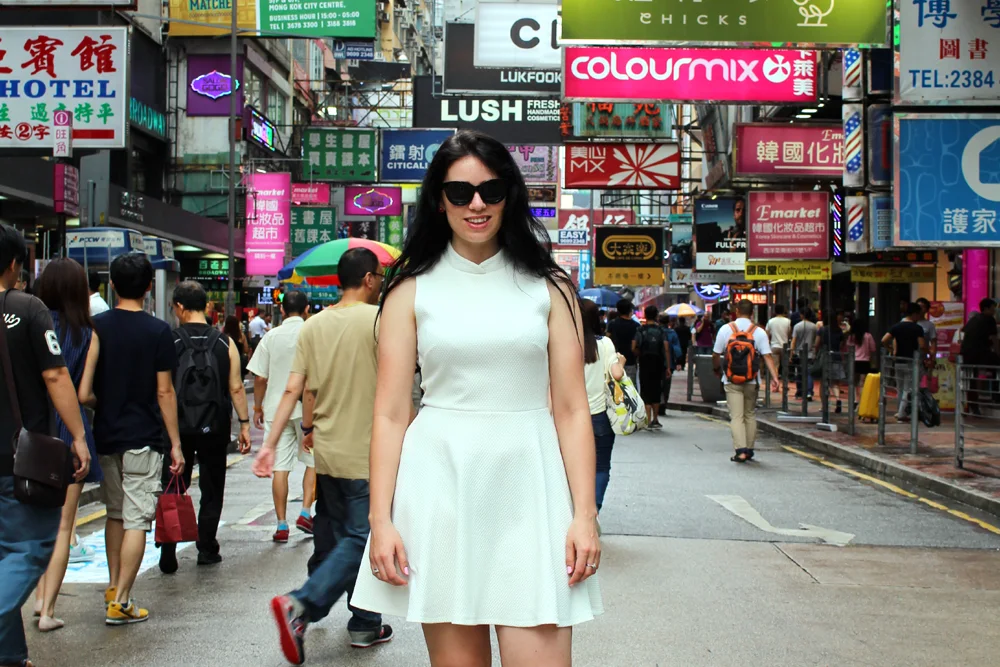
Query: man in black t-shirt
[211,441]
[129,376]
[39,375]
[621,331]
[903,340]
[979,348]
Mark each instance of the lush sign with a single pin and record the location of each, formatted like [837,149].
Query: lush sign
[750,22]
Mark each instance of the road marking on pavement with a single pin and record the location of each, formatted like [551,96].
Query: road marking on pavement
[247,522]
[712,419]
[90,518]
[895,489]
[741,508]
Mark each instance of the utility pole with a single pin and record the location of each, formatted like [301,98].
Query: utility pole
[233,79]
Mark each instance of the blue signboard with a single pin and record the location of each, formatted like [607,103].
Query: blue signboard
[880,220]
[102,244]
[584,267]
[948,180]
[406,153]
[880,145]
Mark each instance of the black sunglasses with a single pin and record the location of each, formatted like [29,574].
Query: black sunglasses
[460,193]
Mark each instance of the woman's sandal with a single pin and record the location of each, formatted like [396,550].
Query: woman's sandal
[741,456]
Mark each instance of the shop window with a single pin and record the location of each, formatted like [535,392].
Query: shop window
[253,91]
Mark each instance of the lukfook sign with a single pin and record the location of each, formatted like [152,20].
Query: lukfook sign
[638,74]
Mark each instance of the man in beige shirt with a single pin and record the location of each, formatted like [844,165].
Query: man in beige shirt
[336,358]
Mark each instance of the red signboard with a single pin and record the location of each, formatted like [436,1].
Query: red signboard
[789,225]
[623,166]
[766,149]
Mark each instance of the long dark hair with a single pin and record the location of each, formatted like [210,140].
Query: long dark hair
[591,318]
[520,234]
[64,288]
[232,329]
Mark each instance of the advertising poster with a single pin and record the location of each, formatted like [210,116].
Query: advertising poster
[537,163]
[681,254]
[789,225]
[786,149]
[268,210]
[462,76]
[628,255]
[720,234]
[517,34]
[696,75]
[948,318]
[623,166]
[311,194]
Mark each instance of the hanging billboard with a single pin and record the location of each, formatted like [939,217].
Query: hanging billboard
[517,34]
[720,234]
[407,153]
[318,18]
[693,75]
[537,163]
[268,211]
[810,23]
[789,225]
[650,120]
[622,166]
[780,150]
[628,255]
[339,154]
[377,200]
[462,76]
[80,70]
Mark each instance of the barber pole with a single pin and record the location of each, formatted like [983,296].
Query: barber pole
[853,143]
[853,62]
[857,228]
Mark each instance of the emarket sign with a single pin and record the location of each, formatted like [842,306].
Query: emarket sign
[806,23]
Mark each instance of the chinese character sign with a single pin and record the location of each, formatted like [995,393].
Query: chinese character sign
[407,153]
[949,50]
[312,226]
[947,189]
[623,166]
[789,225]
[574,228]
[720,234]
[79,70]
[335,154]
[268,214]
[649,120]
[697,75]
[311,194]
[537,163]
[390,230]
[774,149]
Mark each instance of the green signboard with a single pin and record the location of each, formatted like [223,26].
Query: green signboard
[390,230]
[320,18]
[621,119]
[726,22]
[337,154]
[311,226]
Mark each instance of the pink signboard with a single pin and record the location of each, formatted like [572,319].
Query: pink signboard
[268,216]
[776,149]
[603,73]
[311,194]
[372,200]
[789,225]
[66,198]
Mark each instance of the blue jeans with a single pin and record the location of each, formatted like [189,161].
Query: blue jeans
[27,538]
[340,531]
[604,438]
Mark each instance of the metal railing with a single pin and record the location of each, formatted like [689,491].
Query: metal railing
[977,406]
[836,373]
[901,374]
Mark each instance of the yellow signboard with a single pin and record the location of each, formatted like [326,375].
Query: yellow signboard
[893,274]
[798,270]
[627,276]
[216,12]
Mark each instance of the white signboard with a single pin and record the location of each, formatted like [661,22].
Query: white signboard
[62,122]
[517,34]
[949,51]
[48,69]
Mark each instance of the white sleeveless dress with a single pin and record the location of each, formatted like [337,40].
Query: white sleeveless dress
[482,501]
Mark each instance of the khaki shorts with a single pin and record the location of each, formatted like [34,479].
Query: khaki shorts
[289,448]
[131,486]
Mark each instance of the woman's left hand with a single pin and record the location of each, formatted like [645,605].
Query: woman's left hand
[583,550]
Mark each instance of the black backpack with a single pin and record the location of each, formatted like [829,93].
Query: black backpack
[651,341]
[198,381]
[929,411]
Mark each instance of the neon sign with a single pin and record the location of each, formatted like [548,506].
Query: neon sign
[261,130]
[214,85]
[372,200]
[712,291]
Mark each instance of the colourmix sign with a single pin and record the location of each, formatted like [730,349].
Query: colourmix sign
[733,75]
[811,23]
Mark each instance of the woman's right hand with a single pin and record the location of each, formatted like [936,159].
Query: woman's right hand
[386,553]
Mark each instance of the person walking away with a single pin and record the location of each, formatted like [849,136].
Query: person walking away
[830,343]
[704,334]
[739,348]
[779,330]
[271,366]
[930,335]
[864,349]
[803,345]
[335,357]
[129,378]
[208,385]
[258,327]
[979,348]
[668,324]
[684,337]
[801,304]
[603,364]
[653,353]
[33,366]
[621,331]
[97,303]
[903,340]
[725,317]
[62,287]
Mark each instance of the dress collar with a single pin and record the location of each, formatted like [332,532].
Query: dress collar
[494,263]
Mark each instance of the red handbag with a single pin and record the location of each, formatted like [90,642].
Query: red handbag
[175,517]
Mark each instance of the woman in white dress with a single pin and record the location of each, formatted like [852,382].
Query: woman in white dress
[482,510]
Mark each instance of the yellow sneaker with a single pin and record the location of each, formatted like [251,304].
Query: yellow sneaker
[110,593]
[119,614]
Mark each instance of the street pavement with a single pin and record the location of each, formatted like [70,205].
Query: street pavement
[706,563]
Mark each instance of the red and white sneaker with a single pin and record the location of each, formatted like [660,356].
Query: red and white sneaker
[305,524]
[280,535]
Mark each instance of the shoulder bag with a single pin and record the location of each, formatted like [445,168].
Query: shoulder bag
[43,465]
[625,408]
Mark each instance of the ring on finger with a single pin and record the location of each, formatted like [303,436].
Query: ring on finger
[592,566]
[375,571]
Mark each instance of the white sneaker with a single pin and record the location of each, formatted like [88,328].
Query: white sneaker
[81,553]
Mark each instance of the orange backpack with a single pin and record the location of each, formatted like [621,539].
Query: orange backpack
[741,362]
